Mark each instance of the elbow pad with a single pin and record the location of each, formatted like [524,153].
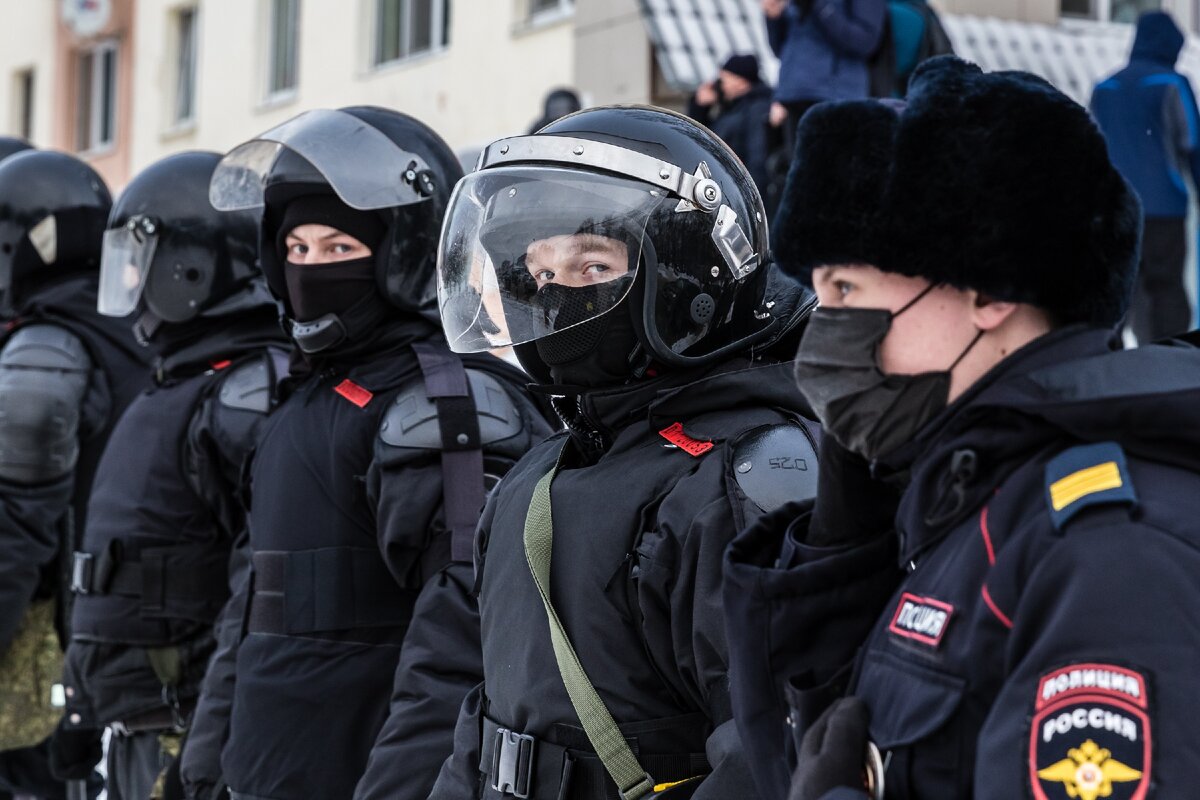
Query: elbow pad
[44,374]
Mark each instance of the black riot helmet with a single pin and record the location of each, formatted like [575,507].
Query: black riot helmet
[170,255]
[53,210]
[631,208]
[373,160]
[11,145]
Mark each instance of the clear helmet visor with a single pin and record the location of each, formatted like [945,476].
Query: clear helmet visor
[125,263]
[364,167]
[531,251]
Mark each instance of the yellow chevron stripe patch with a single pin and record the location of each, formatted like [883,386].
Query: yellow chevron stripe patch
[1099,478]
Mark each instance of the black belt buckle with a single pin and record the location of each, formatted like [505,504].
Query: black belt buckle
[81,573]
[512,763]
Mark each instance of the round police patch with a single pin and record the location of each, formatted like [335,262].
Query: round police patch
[1090,737]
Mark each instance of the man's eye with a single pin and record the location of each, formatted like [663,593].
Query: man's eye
[596,269]
[298,249]
[843,288]
[342,249]
[543,275]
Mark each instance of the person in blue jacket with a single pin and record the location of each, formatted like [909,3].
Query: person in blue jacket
[823,47]
[1042,639]
[1147,112]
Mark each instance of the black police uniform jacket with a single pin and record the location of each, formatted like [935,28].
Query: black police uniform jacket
[349,547]
[39,517]
[1043,637]
[165,511]
[639,531]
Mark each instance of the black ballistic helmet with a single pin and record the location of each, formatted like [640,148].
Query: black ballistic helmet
[648,182]
[374,159]
[173,257]
[11,145]
[53,210]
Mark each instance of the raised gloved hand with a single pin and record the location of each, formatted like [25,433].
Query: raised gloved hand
[832,752]
[74,752]
[851,504]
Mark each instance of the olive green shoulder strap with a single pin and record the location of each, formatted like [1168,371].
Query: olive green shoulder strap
[598,724]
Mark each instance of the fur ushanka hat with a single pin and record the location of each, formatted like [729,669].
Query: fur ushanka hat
[830,206]
[1002,184]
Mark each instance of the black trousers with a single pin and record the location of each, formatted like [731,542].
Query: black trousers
[1160,303]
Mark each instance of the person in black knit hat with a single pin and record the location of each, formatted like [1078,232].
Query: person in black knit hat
[1049,479]
[735,106]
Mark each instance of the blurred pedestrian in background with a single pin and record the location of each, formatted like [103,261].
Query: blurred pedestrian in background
[735,107]
[559,103]
[823,47]
[1147,112]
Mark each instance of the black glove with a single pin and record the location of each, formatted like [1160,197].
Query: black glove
[851,505]
[833,751]
[74,752]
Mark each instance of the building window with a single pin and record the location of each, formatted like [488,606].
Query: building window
[538,8]
[281,68]
[96,99]
[1126,11]
[185,66]
[405,28]
[23,107]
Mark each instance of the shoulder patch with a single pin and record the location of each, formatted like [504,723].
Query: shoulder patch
[247,387]
[776,464]
[1091,734]
[411,422]
[1085,476]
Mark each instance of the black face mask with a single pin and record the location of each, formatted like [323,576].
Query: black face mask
[595,352]
[315,290]
[866,411]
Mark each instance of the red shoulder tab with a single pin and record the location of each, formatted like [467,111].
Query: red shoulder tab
[693,447]
[220,365]
[354,393]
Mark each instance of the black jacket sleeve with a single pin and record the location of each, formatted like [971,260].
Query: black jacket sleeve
[200,762]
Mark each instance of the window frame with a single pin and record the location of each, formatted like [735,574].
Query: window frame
[189,46]
[271,94]
[24,110]
[95,123]
[439,32]
[1099,11]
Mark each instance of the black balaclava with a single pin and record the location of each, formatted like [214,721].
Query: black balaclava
[315,290]
[594,353]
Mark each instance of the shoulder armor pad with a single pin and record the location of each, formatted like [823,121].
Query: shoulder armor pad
[776,464]
[1085,476]
[411,422]
[45,347]
[44,375]
[248,387]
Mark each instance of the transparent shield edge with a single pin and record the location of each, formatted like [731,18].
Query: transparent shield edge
[464,322]
[121,251]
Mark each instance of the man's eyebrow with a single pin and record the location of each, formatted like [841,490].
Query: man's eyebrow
[599,244]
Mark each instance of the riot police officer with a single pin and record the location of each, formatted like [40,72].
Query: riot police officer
[1042,641]
[66,373]
[623,251]
[151,573]
[370,475]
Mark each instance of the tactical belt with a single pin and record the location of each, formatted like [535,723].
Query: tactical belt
[330,589]
[184,582]
[158,719]
[463,492]
[523,766]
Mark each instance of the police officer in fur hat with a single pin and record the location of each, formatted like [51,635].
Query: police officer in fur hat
[1045,527]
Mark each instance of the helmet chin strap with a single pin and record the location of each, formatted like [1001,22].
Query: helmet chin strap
[330,330]
[146,326]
